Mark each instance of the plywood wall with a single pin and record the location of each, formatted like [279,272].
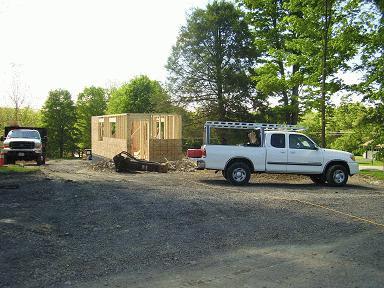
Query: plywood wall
[112,138]
[154,137]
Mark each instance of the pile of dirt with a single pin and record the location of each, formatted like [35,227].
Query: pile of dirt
[103,165]
[183,165]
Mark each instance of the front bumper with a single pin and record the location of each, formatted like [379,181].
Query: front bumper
[353,168]
[27,155]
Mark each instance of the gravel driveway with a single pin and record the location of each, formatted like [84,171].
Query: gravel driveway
[70,226]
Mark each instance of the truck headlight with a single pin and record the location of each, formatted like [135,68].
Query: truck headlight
[37,145]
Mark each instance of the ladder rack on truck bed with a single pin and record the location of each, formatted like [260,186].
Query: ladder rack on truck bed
[248,126]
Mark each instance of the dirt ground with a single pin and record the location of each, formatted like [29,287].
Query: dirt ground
[70,226]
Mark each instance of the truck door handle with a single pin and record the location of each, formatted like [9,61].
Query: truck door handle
[282,152]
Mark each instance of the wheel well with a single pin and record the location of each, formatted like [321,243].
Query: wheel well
[239,159]
[340,162]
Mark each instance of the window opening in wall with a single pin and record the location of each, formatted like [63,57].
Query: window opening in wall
[101,131]
[113,129]
[112,122]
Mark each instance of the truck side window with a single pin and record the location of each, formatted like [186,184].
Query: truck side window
[300,142]
[278,140]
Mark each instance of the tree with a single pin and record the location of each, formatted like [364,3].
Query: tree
[28,117]
[140,95]
[209,67]
[304,44]
[17,91]
[59,117]
[91,102]
[279,72]
[372,67]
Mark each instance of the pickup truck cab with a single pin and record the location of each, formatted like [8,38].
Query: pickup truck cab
[23,144]
[278,151]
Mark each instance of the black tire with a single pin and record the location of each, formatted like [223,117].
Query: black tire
[318,179]
[40,160]
[9,160]
[337,175]
[224,172]
[238,173]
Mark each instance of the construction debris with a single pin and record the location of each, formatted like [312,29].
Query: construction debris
[103,165]
[128,163]
[183,165]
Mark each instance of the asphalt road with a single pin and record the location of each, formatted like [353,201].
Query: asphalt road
[69,226]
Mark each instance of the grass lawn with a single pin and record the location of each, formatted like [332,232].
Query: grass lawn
[8,169]
[363,161]
[379,175]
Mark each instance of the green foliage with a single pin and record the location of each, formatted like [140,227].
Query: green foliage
[59,117]
[289,37]
[379,175]
[91,102]
[140,95]
[11,169]
[210,65]
[372,63]
[368,162]
[279,72]
[348,128]
[27,117]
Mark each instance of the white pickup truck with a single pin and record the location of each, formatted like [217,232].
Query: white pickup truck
[24,143]
[278,149]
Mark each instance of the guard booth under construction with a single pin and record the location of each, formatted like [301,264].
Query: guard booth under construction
[153,137]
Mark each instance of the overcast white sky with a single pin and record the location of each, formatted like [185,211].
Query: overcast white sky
[72,44]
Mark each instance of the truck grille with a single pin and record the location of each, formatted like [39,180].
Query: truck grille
[22,145]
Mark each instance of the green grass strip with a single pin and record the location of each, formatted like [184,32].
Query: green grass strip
[9,169]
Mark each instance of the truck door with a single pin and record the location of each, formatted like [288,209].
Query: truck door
[276,160]
[303,155]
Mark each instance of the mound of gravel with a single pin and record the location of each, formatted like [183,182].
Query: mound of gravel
[103,165]
[183,165]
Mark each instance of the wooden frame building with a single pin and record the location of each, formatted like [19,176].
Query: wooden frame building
[153,137]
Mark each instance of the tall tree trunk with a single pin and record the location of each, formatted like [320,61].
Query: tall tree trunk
[61,143]
[287,113]
[327,21]
[295,98]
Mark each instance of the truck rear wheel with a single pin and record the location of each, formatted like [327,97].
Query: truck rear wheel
[337,175]
[238,173]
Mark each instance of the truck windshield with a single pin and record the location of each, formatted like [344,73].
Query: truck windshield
[31,134]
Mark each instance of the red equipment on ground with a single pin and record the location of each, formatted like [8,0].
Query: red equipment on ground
[2,162]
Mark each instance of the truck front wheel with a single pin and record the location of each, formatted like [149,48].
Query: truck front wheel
[9,160]
[337,175]
[238,173]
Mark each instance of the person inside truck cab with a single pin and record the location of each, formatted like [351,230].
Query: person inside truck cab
[253,138]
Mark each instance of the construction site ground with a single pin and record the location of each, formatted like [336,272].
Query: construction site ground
[68,225]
